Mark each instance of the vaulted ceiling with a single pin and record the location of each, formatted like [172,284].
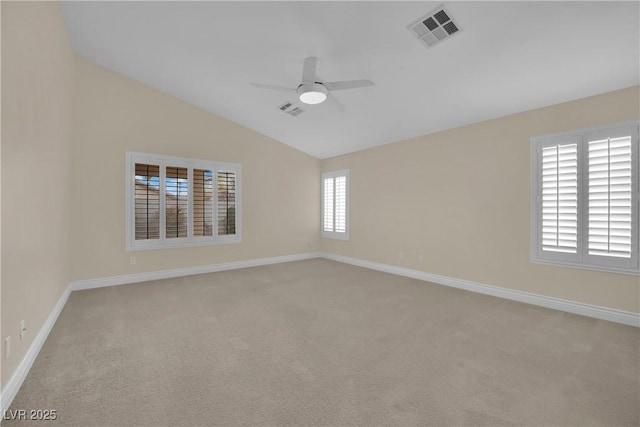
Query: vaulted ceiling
[508,57]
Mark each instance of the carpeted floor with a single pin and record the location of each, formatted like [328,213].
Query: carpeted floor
[323,343]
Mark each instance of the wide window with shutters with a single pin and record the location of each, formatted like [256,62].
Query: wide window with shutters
[585,199]
[173,202]
[335,203]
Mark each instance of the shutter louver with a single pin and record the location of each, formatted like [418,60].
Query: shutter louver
[560,198]
[328,204]
[226,203]
[176,201]
[610,197]
[147,201]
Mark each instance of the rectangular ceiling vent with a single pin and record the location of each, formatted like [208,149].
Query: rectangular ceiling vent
[434,27]
[291,109]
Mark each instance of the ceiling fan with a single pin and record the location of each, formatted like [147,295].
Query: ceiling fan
[313,90]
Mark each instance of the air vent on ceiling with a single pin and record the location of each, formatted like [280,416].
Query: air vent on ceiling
[291,109]
[434,27]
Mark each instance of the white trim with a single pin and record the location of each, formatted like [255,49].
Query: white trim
[589,310]
[79,285]
[14,384]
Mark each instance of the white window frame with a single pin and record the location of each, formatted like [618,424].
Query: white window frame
[163,242]
[335,234]
[582,259]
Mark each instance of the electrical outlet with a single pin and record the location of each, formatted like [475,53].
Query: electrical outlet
[132,260]
[400,255]
[7,347]
[23,329]
[421,258]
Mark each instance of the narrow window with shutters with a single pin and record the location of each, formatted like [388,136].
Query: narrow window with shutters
[328,205]
[341,204]
[560,198]
[176,202]
[147,201]
[202,202]
[335,198]
[585,193]
[226,203]
[610,196]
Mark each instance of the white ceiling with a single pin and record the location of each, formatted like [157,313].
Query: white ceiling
[510,57]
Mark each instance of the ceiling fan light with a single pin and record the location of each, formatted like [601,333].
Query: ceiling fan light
[312,97]
[312,93]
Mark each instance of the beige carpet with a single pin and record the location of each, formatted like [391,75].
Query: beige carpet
[322,343]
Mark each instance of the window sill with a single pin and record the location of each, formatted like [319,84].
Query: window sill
[603,268]
[183,245]
[335,236]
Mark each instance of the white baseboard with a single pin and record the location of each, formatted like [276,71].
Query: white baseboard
[598,312]
[14,384]
[180,272]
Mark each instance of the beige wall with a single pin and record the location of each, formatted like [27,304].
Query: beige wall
[461,199]
[37,95]
[113,114]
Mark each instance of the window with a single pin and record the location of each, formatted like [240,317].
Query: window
[335,204]
[585,199]
[172,202]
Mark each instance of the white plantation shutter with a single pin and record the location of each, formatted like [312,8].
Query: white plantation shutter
[327,203]
[335,204]
[610,197]
[176,202]
[226,203]
[202,202]
[560,198]
[341,204]
[147,201]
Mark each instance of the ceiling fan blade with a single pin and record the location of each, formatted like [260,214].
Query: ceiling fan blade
[335,104]
[349,84]
[309,69]
[273,87]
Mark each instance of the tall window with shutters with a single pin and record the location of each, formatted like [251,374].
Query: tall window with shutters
[559,198]
[147,201]
[335,204]
[176,202]
[226,203]
[585,199]
[202,202]
[173,202]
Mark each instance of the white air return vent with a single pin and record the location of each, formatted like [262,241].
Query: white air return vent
[291,109]
[434,27]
